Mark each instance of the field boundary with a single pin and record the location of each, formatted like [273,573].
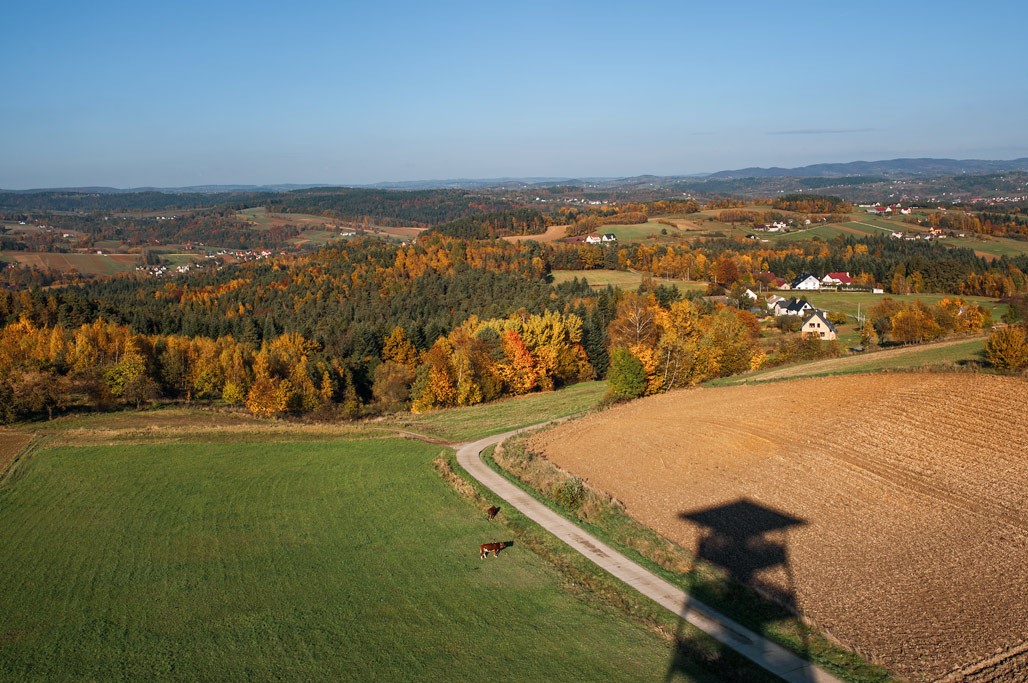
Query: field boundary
[13,469]
[754,647]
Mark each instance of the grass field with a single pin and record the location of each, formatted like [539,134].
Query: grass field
[345,560]
[598,279]
[265,220]
[946,353]
[467,424]
[825,232]
[89,264]
[315,238]
[993,247]
[847,302]
[641,231]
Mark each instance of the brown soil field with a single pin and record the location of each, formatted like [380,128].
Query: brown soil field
[11,443]
[891,510]
[552,234]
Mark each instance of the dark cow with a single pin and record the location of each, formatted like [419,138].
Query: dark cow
[492,511]
[494,548]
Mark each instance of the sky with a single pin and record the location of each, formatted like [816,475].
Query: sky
[132,94]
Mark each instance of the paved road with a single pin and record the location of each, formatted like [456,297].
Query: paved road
[747,643]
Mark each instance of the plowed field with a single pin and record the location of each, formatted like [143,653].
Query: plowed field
[890,509]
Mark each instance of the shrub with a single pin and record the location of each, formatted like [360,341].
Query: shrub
[570,493]
[1007,348]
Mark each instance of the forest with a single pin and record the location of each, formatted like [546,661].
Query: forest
[350,330]
[454,317]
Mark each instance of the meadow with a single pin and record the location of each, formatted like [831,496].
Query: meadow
[264,220]
[87,264]
[851,303]
[347,559]
[945,354]
[640,231]
[625,279]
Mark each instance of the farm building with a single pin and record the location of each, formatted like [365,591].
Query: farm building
[819,326]
[606,238]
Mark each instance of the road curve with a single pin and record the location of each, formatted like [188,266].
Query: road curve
[770,656]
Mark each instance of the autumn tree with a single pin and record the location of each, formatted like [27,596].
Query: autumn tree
[914,325]
[635,322]
[1007,348]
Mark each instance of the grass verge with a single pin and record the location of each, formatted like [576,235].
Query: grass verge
[455,425]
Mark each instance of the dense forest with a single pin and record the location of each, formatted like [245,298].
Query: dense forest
[420,207]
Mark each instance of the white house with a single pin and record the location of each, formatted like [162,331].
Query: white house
[792,307]
[817,324]
[836,279]
[805,281]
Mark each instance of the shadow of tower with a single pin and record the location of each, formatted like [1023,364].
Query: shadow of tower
[743,538]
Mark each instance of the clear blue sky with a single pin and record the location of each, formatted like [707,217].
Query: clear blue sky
[182,93]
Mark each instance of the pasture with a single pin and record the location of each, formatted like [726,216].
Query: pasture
[991,248]
[947,353]
[468,424]
[892,513]
[263,220]
[87,264]
[825,232]
[850,302]
[641,231]
[345,559]
[625,279]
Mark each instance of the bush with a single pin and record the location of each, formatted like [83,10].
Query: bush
[1007,348]
[570,493]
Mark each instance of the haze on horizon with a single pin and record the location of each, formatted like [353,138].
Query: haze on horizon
[132,94]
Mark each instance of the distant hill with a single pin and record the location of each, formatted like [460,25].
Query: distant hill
[887,168]
[850,174]
[192,189]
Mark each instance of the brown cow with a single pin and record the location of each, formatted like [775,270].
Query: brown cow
[492,511]
[494,548]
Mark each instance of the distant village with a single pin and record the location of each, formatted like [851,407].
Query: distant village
[240,256]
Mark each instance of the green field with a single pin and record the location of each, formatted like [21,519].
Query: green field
[994,246]
[315,238]
[640,231]
[265,220]
[87,264]
[848,302]
[624,279]
[467,424]
[825,232]
[945,354]
[345,560]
